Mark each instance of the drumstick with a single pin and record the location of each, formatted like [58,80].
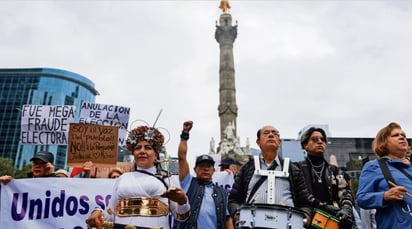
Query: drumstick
[394,185]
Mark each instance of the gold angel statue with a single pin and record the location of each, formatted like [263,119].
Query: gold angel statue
[224,6]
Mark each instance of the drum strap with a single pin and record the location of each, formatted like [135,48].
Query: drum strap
[260,182]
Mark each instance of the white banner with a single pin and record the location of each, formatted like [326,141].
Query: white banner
[106,115]
[46,125]
[52,202]
[224,179]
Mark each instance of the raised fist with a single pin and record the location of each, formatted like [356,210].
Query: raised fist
[187,126]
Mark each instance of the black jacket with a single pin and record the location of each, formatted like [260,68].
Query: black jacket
[338,189]
[302,199]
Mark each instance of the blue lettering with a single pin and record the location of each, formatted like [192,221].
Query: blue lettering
[47,205]
[37,203]
[71,201]
[99,201]
[83,203]
[108,199]
[14,214]
[58,210]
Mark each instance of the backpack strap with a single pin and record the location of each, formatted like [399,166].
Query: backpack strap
[385,170]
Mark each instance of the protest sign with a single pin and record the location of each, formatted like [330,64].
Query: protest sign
[96,143]
[46,125]
[52,202]
[224,179]
[107,115]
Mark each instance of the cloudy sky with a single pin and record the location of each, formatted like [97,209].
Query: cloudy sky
[337,62]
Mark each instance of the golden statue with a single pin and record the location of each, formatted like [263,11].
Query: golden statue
[225,6]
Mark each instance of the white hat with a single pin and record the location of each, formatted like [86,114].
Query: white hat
[62,171]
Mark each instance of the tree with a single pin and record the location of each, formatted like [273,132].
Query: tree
[6,166]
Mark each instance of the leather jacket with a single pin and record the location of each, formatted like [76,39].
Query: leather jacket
[338,188]
[302,199]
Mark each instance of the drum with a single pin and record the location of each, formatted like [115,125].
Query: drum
[270,216]
[324,220]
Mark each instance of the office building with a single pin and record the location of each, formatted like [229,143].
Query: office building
[37,86]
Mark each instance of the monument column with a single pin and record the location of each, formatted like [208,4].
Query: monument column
[225,35]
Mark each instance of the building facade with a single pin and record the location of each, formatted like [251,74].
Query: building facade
[37,86]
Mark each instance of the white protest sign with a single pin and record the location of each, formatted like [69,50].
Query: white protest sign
[106,115]
[52,202]
[224,179]
[46,125]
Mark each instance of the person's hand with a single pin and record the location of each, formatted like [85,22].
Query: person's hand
[49,168]
[395,193]
[86,168]
[176,195]
[5,179]
[236,217]
[330,209]
[87,165]
[228,171]
[345,215]
[308,221]
[187,126]
[95,219]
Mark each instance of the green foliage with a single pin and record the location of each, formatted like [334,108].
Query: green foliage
[23,173]
[6,166]
[357,164]
[355,183]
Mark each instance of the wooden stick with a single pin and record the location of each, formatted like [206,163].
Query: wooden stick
[394,185]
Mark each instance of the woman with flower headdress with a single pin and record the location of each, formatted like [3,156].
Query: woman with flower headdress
[146,197]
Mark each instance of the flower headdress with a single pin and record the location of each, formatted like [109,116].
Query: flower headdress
[145,133]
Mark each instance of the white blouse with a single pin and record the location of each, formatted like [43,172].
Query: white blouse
[138,184]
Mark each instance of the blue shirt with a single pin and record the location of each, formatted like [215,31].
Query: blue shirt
[372,185]
[207,213]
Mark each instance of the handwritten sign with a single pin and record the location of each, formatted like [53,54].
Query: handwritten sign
[96,143]
[107,115]
[46,125]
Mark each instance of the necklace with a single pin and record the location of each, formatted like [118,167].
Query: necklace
[317,174]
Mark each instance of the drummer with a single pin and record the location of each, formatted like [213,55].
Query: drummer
[143,198]
[290,191]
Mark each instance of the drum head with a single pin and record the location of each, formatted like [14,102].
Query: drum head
[270,216]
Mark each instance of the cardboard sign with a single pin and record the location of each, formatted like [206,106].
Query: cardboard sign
[107,115]
[96,143]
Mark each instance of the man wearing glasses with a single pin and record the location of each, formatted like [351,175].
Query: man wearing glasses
[252,187]
[325,181]
[42,166]
[208,201]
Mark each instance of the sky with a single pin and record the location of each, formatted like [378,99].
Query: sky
[344,63]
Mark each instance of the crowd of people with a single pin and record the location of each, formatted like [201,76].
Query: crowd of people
[309,190]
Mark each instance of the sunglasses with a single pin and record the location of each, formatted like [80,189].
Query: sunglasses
[316,139]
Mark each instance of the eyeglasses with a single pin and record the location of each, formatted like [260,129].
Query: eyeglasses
[274,132]
[317,138]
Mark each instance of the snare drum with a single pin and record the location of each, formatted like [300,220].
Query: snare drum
[270,216]
[324,220]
